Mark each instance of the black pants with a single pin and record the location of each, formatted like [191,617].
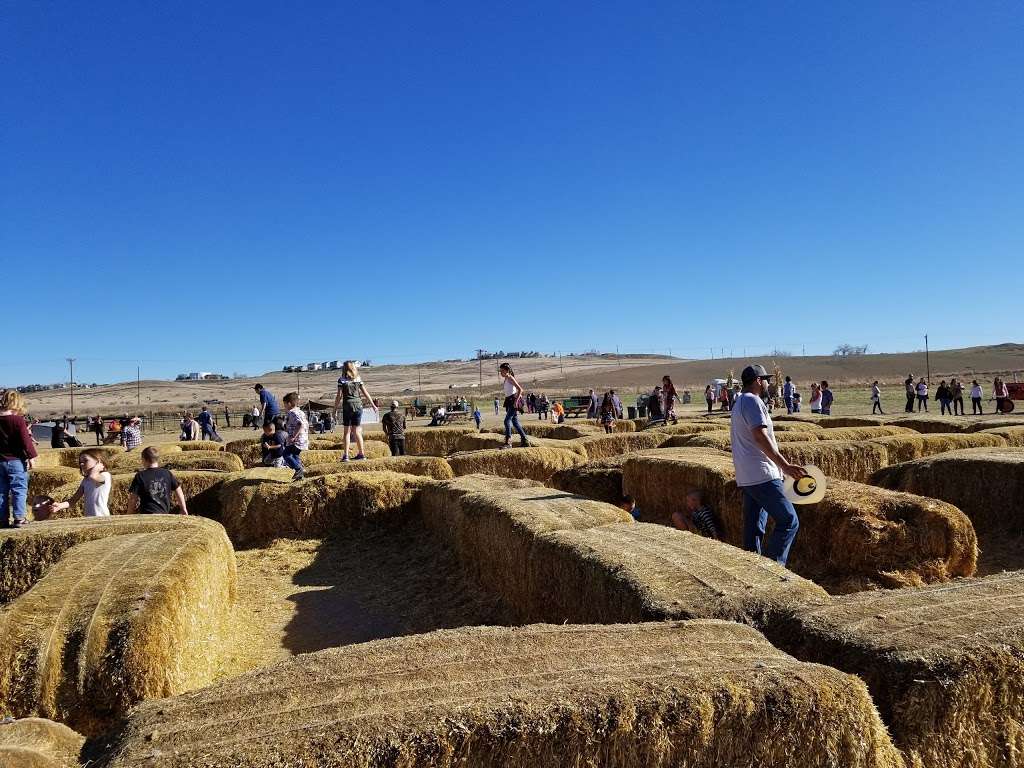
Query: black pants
[922,400]
[976,405]
[958,406]
[945,406]
[910,402]
[877,404]
[711,404]
[999,404]
[397,446]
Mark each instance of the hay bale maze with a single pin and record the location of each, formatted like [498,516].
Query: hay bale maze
[943,664]
[604,446]
[255,511]
[219,461]
[68,457]
[689,693]
[520,463]
[434,441]
[600,480]
[689,428]
[1014,436]
[199,487]
[34,742]
[841,459]
[425,466]
[250,453]
[482,441]
[932,424]
[115,618]
[857,537]
[902,448]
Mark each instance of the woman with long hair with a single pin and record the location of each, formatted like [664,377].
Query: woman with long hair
[815,397]
[668,391]
[17,455]
[513,394]
[351,392]
[607,412]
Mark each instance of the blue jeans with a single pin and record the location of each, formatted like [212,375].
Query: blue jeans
[512,420]
[13,488]
[759,503]
[789,404]
[291,457]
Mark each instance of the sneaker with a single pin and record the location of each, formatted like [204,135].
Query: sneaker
[503,447]
[344,459]
[299,474]
[360,457]
[20,523]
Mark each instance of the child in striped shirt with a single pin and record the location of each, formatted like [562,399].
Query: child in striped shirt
[696,517]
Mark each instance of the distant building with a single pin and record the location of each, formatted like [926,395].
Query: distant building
[333,365]
[313,366]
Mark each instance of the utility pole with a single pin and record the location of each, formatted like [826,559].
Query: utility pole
[298,387]
[619,362]
[138,386]
[927,361]
[480,365]
[803,351]
[712,350]
[71,365]
[560,368]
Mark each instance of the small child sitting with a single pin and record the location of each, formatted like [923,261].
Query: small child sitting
[696,517]
[628,503]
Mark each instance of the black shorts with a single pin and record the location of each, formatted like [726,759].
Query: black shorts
[351,418]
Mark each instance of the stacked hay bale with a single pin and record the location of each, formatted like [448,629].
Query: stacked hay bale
[68,457]
[482,441]
[943,664]
[574,431]
[604,446]
[862,432]
[930,424]
[841,459]
[434,441]
[220,461]
[34,742]
[986,483]
[425,466]
[254,512]
[194,445]
[851,421]
[600,480]
[1014,436]
[857,537]
[116,620]
[690,427]
[520,463]
[44,480]
[557,557]
[199,487]
[901,448]
[699,694]
[250,453]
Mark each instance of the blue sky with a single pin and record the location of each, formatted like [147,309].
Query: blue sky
[235,186]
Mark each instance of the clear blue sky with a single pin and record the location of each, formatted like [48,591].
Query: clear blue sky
[235,186]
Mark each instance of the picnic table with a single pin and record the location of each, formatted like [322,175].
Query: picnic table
[452,417]
[576,406]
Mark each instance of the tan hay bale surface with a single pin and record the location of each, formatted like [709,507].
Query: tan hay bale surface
[532,428]
[43,481]
[68,457]
[855,538]
[928,424]
[482,441]
[1001,423]
[574,431]
[493,524]
[117,620]
[723,441]
[839,459]
[986,483]
[182,460]
[797,426]
[603,446]
[943,664]
[910,447]
[434,441]
[425,466]
[1014,436]
[199,487]
[520,463]
[851,421]
[27,552]
[699,694]
[254,512]
[250,453]
[198,445]
[600,480]
[34,742]
[690,428]
[861,433]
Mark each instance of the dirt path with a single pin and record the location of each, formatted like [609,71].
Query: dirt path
[297,596]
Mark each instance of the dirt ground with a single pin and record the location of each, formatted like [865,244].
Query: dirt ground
[298,596]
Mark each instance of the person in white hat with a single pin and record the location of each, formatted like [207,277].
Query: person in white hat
[759,469]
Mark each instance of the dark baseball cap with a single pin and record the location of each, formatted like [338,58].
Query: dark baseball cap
[752,372]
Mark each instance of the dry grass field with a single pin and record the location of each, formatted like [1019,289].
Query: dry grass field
[470,606]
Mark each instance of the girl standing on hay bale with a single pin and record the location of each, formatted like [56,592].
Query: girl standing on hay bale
[513,394]
[298,435]
[17,455]
[351,392]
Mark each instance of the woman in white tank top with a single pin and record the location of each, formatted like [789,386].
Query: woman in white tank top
[513,395]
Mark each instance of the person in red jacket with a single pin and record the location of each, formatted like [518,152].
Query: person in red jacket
[17,455]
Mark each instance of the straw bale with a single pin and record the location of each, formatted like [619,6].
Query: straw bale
[943,664]
[1014,436]
[575,431]
[434,441]
[68,457]
[806,418]
[425,466]
[986,483]
[199,487]
[197,445]
[43,480]
[114,621]
[990,424]
[26,553]
[255,512]
[251,454]
[479,441]
[840,459]
[861,433]
[701,694]
[34,742]
[851,421]
[182,460]
[493,524]
[532,428]
[796,426]
[928,424]
[909,447]
[690,428]
[722,441]
[602,446]
[858,536]
[600,480]
[522,463]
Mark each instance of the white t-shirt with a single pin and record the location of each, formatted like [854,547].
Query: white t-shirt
[976,391]
[509,387]
[815,400]
[95,496]
[752,466]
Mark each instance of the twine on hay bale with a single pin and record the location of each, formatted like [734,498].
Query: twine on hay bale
[519,463]
[943,663]
[114,621]
[34,742]
[656,695]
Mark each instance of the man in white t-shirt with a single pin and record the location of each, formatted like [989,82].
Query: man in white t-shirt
[759,469]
